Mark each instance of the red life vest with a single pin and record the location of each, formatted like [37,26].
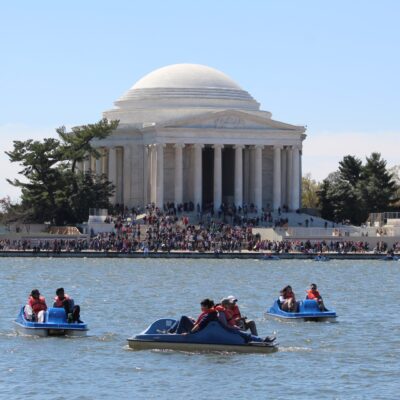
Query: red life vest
[236,313]
[203,314]
[60,303]
[313,294]
[228,315]
[37,304]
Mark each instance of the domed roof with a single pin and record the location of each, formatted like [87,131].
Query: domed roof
[186,76]
[180,90]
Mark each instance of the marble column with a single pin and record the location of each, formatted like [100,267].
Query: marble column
[289,190]
[198,175]
[86,164]
[99,162]
[112,171]
[152,173]
[160,175]
[238,175]
[258,177]
[127,175]
[178,173]
[295,178]
[146,169]
[217,176]
[284,174]
[277,189]
[79,166]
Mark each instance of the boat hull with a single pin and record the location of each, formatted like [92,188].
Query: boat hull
[55,324]
[308,311]
[136,344]
[213,338]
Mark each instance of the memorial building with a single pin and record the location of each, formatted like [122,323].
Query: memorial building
[189,133]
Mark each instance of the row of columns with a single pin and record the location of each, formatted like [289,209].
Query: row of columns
[289,169]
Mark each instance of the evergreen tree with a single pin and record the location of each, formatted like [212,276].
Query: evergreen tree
[54,190]
[350,170]
[377,187]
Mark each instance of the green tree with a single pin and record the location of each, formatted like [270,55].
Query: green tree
[350,170]
[377,187]
[309,194]
[356,190]
[54,190]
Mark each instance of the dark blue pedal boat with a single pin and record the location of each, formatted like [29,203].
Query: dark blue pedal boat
[214,337]
[321,258]
[270,257]
[55,324]
[308,310]
[390,257]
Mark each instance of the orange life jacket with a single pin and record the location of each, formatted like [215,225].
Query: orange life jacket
[313,294]
[60,303]
[37,304]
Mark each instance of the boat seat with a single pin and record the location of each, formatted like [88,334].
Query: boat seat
[310,305]
[56,315]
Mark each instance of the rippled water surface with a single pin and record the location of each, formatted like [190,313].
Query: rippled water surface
[357,357]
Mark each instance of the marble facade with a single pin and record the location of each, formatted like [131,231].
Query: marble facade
[189,133]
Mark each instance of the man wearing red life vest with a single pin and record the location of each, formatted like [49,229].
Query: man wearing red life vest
[62,300]
[242,322]
[313,294]
[36,307]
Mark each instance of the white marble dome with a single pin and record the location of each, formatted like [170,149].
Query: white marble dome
[180,90]
[186,76]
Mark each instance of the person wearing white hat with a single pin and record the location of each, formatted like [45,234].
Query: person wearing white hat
[242,322]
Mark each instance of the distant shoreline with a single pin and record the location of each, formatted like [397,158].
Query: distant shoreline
[245,255]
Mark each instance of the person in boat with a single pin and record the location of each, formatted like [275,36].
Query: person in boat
[226,318]
[63,300]
[313,294]
[36,307]
[287,299]
[242,322]
[188,325]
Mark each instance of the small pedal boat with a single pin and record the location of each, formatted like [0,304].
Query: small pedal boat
[270,257]
[55,324]
[308,311]
[214,337]
[321,258]
[390,257]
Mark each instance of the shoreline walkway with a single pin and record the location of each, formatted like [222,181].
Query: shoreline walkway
[194,255]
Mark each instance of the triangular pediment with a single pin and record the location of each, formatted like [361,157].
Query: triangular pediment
[230,119]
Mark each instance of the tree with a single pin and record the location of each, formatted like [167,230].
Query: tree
[309,195]
[356,190]
[377,187]
[55,191]
[350,169]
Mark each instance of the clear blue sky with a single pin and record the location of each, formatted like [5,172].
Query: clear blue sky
[333,66]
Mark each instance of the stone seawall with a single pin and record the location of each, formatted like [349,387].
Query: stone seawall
[193,255]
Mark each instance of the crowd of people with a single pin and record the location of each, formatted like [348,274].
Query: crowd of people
[168,231]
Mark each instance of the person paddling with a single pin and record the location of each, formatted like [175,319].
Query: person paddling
[63,300]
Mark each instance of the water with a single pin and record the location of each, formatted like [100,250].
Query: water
[357,357]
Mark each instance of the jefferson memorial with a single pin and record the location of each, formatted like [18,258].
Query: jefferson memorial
[189,133]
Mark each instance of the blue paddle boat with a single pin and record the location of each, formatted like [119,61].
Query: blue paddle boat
[214,337]
[308,310]
[321,258]
[270,257]
[390,257]
[55,324]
